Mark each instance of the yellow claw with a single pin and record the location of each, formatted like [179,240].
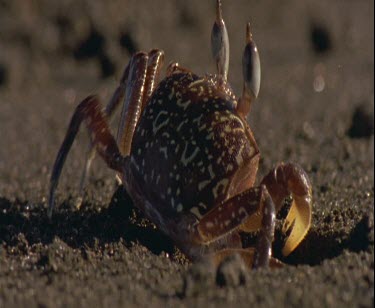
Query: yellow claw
[299,220]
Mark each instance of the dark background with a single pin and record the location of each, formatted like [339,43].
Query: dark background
[315,107]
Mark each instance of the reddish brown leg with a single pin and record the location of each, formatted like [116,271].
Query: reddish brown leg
[109,110]
[154,65]
[143,72]
[88,111]
[155,61]
[132,106]
[118,95]
[283,181]
[231,214]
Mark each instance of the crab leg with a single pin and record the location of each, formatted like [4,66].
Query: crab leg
[132,107]
[118,95]
[88,111]
[154,65]
[109,110]
[291,179]
[231,214]
[220,43]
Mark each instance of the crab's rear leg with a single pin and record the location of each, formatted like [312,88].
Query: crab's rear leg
[135,93]
[232,213]
[109,110]
[154,64]
[143,72]
[90,112]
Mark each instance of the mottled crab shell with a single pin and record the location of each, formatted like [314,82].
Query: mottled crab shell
[189,144]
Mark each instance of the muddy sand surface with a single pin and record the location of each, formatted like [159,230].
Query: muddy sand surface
[315,108]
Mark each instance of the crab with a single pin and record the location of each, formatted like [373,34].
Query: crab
[188,159]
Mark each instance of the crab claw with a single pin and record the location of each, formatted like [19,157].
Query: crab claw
[297,222]
[283,181]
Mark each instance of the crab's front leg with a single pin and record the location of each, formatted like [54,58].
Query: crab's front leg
[231,214]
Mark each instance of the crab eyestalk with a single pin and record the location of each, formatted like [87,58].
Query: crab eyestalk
[220,43]
[251,74]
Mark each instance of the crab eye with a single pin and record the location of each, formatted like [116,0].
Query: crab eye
[251,65]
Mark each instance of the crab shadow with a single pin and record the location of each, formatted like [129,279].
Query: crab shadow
[80,229]
[22,223]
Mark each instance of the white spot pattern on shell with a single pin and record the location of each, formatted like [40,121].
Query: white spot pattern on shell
[190,143]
